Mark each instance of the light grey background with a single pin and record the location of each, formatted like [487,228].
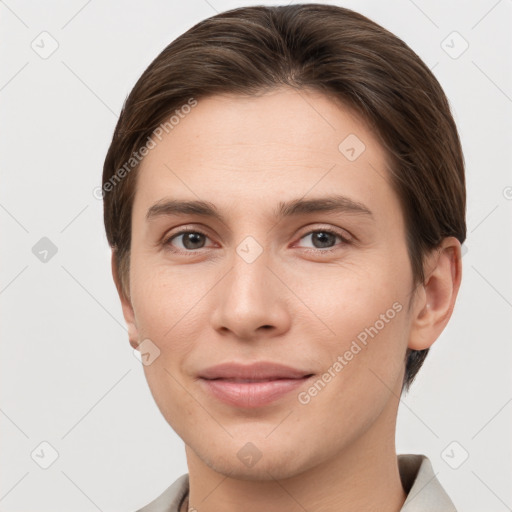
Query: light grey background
[68,374]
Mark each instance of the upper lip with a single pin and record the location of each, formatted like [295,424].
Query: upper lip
[254,371]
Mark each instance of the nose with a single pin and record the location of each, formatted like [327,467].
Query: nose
[250,301]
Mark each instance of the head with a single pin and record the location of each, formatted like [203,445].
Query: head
[258,115]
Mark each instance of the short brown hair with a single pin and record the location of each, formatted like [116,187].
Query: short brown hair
[330,49]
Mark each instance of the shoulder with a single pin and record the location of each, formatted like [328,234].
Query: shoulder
[424,491]
[170,499]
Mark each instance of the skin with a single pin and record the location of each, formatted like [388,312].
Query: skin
[245,155]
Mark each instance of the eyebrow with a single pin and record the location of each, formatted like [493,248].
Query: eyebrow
[329,204]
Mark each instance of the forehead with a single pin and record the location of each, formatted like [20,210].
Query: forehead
[302,123]
[249,149]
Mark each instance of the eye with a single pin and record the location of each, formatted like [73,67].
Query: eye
[324,239]
[190,240]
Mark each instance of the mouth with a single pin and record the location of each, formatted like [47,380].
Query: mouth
[251,386]
[272,379]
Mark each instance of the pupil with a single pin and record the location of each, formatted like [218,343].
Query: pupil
[191,239]
[323,238]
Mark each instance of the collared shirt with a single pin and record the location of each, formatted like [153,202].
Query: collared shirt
[424,492]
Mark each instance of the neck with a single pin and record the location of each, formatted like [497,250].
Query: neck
[363,476]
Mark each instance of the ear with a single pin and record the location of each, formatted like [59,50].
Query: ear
[128,313]
[435,298]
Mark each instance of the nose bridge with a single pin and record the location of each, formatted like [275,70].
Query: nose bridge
[248,282]
[249,260]
[248,298]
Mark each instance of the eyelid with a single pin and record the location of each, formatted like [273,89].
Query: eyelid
[183,230]
[345,240]
[337,232]
[342,233]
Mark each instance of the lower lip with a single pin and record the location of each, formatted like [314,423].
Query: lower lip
[252,394]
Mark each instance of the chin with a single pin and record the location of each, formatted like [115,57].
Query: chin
[268,462]
[261,471]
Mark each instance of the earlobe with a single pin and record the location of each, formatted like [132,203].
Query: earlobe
[126,305]
[435,303]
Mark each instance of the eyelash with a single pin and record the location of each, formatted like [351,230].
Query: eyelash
[167,242]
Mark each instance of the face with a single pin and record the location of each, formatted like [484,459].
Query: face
[279,274]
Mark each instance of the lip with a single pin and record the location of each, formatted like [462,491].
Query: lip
[254,385]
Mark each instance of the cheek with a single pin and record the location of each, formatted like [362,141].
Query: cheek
[349,300]
[165,300]
[365,312]
[172,397]
[363,370]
